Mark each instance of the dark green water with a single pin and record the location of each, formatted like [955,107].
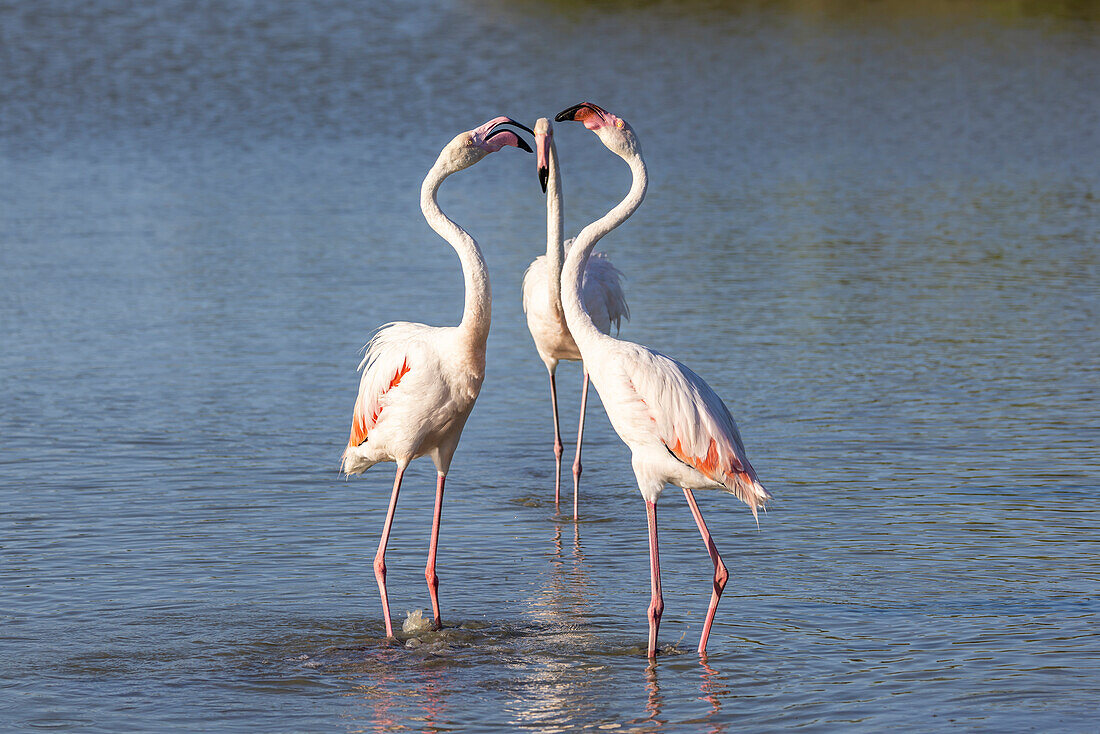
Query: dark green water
[872,228]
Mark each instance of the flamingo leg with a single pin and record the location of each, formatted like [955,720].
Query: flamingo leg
[656,602]
[721,575]
[558,448]
[380,556]
[580,437]
[429,570]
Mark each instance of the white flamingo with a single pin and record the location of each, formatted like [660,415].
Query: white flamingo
[602,293]
[420,382]
[678,430]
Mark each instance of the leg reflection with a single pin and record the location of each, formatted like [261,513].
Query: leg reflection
[393,698]
[578,554]
[566,591]
[712,689]
[653,691]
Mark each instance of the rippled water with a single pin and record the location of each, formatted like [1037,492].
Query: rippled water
[873,229]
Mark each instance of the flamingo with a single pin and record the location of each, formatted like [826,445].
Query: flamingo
[678,430]
[603,299]
[420,382]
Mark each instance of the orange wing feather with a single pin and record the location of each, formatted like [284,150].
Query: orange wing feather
[709,465]
[361,424]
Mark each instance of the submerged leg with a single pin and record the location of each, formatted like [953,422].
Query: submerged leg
[656,602]
[558,448]
[580,437]
[429,570]
[380,556]
[721,575]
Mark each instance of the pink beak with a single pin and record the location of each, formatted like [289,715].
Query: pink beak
[493,139]
[542,158]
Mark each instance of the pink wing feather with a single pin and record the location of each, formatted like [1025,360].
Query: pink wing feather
[389,357]
[368,406]
[695,425]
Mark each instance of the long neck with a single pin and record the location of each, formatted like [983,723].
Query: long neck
[477,310]
[579,322]
[554,222]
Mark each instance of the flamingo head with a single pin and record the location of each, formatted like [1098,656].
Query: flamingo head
[471,146]
[614,132]
[544,134]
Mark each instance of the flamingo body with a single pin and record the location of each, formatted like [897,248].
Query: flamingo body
[679,431]
[418,387]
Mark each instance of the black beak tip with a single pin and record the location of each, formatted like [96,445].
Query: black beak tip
[569,114]
[544,176]
[523,145]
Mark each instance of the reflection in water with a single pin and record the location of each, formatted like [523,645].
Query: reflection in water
[565,597]
[555,689]
[395,696]
[712,691]
[554,678]
[653,699]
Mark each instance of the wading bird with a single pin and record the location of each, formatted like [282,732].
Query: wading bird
[420,382]
[602,293]
[678,430]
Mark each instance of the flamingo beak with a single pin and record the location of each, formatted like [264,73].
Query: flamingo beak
[542,144]
[496,129]
[483,135]
[578,112]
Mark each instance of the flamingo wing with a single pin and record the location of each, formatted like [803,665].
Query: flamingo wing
[534,282]
[694,424]
[390,355]
[602,289]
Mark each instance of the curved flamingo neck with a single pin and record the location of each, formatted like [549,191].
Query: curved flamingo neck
[477,309]
[554,227]
[580,323]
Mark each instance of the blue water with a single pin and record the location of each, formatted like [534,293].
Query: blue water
[873,229]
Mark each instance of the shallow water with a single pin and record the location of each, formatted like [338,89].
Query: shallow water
[873,230]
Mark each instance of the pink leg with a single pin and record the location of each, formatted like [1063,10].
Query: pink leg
[380,556]
[429,570]
[656,602]
[580,437]
[721,575]
[558,448]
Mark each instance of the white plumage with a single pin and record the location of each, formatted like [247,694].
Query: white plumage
[418,387]
[603,298]
[679,431]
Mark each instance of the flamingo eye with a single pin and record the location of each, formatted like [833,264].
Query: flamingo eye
[619,123]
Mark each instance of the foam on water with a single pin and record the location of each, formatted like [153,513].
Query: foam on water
[415,621]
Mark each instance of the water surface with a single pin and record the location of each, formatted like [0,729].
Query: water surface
[873,230]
